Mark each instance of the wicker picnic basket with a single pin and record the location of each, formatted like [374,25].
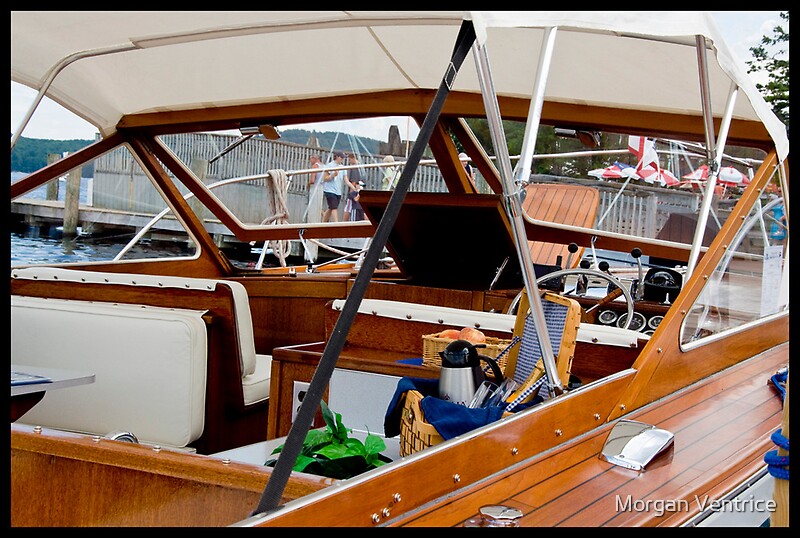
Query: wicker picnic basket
[432,345]
[415,433]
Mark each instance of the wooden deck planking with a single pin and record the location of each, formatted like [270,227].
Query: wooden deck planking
[584,487]
[575,205]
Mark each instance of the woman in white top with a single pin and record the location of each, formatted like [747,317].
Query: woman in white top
[388,181]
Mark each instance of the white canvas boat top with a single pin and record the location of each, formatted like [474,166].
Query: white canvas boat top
[179,60]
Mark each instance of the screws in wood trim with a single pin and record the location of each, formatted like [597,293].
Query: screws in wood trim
[226,461]
[659,350]
[597,416]
[96,438]
[156,448]
[376,518]
[514,451]
[37,429]
[705,277]
[622,407]
[456,478]
[559,433]
[397,498]
[386,512]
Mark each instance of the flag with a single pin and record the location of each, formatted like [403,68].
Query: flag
[645,150]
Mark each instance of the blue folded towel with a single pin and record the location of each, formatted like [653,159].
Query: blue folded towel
[449,419]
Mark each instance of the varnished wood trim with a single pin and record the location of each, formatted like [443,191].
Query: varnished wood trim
[458,104]
[218,264]
[429,475]
[63,479]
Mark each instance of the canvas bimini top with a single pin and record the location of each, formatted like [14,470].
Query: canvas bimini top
[104,66]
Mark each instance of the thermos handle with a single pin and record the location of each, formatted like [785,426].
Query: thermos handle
[498,374]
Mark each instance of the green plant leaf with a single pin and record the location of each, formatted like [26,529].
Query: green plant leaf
[374,444]
[317,437]
[335,451]
[303,462]
[332,453]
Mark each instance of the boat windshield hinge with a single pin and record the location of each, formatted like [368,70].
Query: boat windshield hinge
[634,444]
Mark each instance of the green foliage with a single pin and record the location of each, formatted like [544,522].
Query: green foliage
[772,58]
[332,453]
[30,154]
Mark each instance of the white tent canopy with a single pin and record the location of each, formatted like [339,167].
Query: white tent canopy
[119,63]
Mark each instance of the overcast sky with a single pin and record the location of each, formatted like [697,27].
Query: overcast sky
[742,29]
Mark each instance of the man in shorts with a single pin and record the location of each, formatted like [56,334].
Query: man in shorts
[332,182]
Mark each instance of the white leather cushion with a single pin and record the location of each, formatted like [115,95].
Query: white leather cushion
[244,328]
[149,365]
[256,385]
[244,321]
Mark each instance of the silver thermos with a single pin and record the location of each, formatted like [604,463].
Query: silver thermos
[461,372]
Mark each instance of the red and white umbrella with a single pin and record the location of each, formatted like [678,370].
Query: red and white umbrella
[615,171]
[692,184]
[730,176]
[660,175]
[699,174]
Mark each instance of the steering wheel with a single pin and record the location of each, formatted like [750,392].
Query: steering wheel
[619,289]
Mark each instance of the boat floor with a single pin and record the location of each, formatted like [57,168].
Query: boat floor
[722,429]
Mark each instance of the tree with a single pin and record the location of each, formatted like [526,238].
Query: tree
[772,58]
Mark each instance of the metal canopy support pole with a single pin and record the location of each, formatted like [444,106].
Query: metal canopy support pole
[714,150]
[515,191]
[273,491]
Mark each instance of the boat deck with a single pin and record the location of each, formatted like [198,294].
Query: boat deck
[572,486]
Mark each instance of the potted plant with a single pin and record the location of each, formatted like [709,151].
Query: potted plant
[332,453]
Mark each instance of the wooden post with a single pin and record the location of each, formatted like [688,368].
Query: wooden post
[52,185]
[72,202]
[780,517]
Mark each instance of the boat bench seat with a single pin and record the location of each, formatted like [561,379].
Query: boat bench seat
[487,321]
[149,365]
[156,293]
[255,367]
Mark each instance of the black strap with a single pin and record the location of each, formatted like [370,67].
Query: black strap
[273,491]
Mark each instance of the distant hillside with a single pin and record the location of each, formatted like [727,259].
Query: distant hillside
[30,154]
[326,140]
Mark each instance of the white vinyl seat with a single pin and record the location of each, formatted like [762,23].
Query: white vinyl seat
[255,367]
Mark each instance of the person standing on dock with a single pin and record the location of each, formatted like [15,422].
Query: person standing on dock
[351,180]
[332,183]
[389,172]
[314,209]
[464,158]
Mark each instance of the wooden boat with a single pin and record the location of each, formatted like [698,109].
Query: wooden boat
[203,363]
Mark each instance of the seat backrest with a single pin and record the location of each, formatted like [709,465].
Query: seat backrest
[525,364]
[244,321]
[575,205]
[149,365]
